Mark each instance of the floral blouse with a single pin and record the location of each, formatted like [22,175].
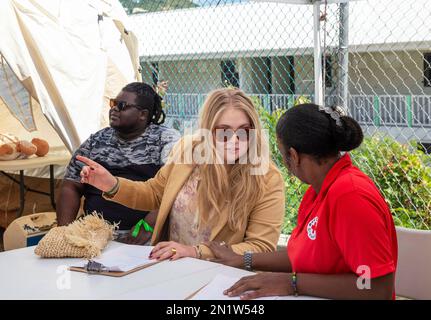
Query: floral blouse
[183,222]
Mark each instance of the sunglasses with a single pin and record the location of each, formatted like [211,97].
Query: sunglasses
[122,105]
[224,135]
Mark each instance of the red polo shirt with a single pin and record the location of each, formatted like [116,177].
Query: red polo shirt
[346,228]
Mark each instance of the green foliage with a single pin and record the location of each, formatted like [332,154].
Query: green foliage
[302,100]
[403,175]
[401,172]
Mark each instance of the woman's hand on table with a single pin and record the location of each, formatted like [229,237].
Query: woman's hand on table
[172,250]
[96,175]
[224,255]
[266,284]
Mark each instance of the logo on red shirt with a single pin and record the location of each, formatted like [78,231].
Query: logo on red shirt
[311,228]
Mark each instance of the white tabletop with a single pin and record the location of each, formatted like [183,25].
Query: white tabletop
[54,157]
[23,275]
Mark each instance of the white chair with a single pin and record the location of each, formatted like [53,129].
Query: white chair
[413,277]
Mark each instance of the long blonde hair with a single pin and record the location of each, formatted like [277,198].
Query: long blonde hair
[238,189]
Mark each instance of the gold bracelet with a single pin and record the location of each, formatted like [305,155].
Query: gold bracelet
[198,252]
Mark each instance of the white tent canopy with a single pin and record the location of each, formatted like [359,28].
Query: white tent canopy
[62,59]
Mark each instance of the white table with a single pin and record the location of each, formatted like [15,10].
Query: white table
[23,275]
[58,157]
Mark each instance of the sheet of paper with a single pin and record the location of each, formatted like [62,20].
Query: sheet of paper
[214,291]
[122,259]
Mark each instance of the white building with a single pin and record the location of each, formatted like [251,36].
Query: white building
[267,48]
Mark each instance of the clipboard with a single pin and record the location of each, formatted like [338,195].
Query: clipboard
[191,296]
[112,273]
[117,262]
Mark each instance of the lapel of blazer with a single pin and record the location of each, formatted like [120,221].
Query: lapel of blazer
[220,224]
[178,176]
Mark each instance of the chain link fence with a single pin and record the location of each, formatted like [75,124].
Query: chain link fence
[375,58]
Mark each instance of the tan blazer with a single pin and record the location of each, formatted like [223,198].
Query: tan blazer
[260,234]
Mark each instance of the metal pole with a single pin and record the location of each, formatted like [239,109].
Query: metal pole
[343,72]
[318,75]
[21,194]
[52,186]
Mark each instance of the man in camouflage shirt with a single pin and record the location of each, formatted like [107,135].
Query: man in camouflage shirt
[135,146]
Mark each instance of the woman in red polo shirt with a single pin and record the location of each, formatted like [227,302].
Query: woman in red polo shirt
[344,245]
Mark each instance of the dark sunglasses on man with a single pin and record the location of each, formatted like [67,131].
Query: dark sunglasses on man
[123,105]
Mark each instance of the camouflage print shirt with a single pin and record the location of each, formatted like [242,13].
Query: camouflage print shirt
[138,159]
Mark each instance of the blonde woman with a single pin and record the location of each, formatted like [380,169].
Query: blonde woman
[218,186]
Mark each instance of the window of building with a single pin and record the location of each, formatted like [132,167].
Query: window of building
[291,74]
[229,74]
[155,72]
[427,69]
[329,81]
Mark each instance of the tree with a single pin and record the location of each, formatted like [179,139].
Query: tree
[133,6]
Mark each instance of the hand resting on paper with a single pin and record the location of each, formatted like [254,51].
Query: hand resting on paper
[266,284]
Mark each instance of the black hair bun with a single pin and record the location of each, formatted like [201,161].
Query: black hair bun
[349,136]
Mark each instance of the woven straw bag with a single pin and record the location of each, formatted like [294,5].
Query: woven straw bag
[84,238]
